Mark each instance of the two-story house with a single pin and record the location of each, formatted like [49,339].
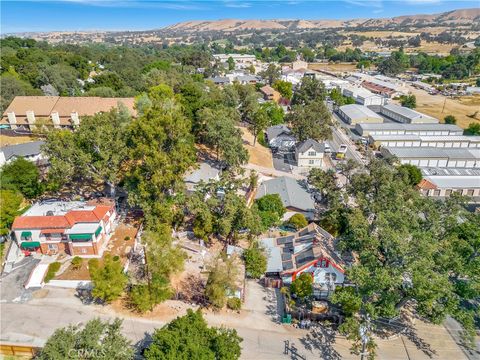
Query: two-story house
[76,228]
[309,153]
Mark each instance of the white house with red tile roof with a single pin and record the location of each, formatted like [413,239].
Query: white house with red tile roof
[75,228]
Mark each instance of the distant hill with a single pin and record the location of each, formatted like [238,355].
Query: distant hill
[455,17]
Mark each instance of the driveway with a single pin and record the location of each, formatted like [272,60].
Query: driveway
[12,284]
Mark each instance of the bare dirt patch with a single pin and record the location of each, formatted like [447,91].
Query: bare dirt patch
[14,140]
[259,154]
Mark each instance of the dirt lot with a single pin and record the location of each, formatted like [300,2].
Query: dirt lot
[460,108]
[14,140]
[259,155]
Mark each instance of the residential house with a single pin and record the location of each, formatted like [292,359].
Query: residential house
[75,228]
[311,250]
[30,151]
[204,173]
[219,80]
[280,138]
[270,94]
[63,112]
[309,153]
[295,198]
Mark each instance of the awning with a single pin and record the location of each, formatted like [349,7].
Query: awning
[30,244]
[52,231]
[26,234]
[99,230]
[80,236]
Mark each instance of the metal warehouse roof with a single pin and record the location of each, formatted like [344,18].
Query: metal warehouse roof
[399,137]
[406,112]
[434,153]
[455,182]
[436,171]
[354,111]
[424,138]
[411,127]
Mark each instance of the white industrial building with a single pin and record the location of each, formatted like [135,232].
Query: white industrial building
[416,129]
[405,115]
[434,157]
[412,140]
[355,114]
[363,96]
[442,182]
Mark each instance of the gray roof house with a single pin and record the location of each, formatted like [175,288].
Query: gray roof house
[294,197]
[280,137]
[309,153]
[30,151]
[204,173]
[219,80]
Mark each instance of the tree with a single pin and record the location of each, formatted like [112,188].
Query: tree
[97,340]
[284,88]
[143,297]
[108,281]
[96,152]
[450,119]
[10,201]
[255,261]
[310,90]
[409,101]
[270,74]
[271,203]
[189,337]
[274,111]
[302,286]
[297,221]
[311,121]
[222,135]
[221,282]
[395,64]
[22,175]
[231,63]
[472,129]
[258,123]
[411,172]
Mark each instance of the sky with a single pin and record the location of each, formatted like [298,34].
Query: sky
[74,15]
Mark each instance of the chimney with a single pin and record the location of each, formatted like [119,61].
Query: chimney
[30,117]
[55,119]
[75,119]
[12,120]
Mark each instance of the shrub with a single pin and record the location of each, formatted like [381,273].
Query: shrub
[52,270]
[116,258]
[297,221]
[234,303]
[93,264]
[126,238]
[302,285]
[77,262]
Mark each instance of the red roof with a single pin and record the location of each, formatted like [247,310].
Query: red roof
[40,222]
[101,210]
[52,231]
[83,216]
[426,185]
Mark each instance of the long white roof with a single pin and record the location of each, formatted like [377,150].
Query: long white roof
[455,182]
[355,111]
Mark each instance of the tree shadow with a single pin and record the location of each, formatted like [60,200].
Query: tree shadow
[321,339]
[411,334]
[141,345]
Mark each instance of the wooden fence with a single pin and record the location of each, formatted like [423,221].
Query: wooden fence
[20,350]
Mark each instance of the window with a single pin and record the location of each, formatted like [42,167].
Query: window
[312,153]
[448,192]
[311,162]
[470,192]
[436,192]
[52,247]
[84,251]
[330,277]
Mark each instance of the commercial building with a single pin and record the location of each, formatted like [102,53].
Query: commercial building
[75,228]
[443,182]
[435,157]
[25,111]
[311,250]
[354,114]
[416,129]
[309,153]
[30,151]
[409,140]
[363,96]
[405,115]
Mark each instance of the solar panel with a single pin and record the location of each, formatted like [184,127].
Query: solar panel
[285,239]
[286,257]
[287,265]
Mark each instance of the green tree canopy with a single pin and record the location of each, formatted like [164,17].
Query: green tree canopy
[10,201]
[189,337]
[108,281]
[302,286]
[297,221]
[310,90]
[311,121]
[97,340]
[409,101]
[22,175]
[450,119]
[284,88]
[255,261]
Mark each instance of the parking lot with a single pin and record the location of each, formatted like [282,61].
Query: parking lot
[12,284]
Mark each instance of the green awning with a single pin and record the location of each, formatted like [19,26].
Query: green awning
[99,230]
[26,234]
[80,236]
[30,244]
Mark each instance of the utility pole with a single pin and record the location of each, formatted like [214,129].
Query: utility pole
[364,330]
[444,104]
[148,276]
